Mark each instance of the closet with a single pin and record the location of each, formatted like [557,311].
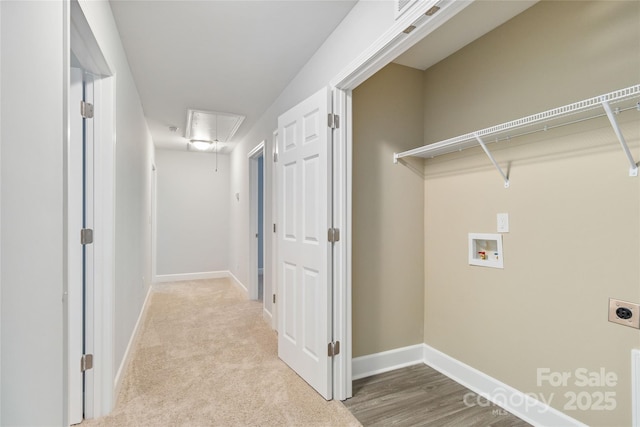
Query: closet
[546,104]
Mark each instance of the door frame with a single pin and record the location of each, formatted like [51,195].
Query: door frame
[274,233]
[99,396]
[253,157]
[382,52]
[74,260]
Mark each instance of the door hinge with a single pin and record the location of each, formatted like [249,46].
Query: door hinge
[333,235]
[274,228]
[334,348]
[275,157]
[86,236]
[274,298]
[86,362]
[334,121]
[86,110]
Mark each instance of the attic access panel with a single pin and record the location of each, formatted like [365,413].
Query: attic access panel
[213,126]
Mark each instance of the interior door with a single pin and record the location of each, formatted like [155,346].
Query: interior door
[304,206]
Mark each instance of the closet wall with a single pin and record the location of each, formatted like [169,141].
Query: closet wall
[574,211]
[388,212]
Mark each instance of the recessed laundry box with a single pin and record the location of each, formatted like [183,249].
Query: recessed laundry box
[485,250]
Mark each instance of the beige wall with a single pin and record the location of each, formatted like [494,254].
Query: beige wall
[388,213]
[574,211]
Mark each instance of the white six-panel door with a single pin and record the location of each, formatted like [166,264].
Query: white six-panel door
[304,280]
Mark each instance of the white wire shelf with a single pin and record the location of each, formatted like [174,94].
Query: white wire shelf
[624,99]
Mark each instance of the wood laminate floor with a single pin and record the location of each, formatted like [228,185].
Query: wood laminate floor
[421,396]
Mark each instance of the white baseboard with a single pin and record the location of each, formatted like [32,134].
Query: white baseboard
[117,382]
[200,276]
[238,283]
[190,276]
[518,403]
[373,364]
[635,387]
[267,316]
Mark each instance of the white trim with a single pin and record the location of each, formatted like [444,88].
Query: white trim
[74,291]
[238,283]
[257,151]
[635,387]
[273,236]
[164,278]
[395,42]
[254,180]
[386,48]
[104,267]
[267,316]
[154,221]
[66,306]
[373,364]
[518,403]
[341,219]
[89,53]
[348,248]
[117,382]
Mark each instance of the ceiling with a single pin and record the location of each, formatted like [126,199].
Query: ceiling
[472,22]
[237,56]
[223,56]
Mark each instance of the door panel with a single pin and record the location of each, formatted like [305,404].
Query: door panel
[304,287]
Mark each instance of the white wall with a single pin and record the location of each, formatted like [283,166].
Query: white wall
[367,21]
[32,207]
[193,212]
[32,203]
[134,157]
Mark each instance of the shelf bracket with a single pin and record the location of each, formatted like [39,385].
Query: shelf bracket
[633,169]
[493,160]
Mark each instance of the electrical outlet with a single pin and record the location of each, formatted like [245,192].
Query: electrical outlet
[624,313]
[503,223]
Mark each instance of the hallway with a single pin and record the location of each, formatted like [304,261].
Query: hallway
[205,356]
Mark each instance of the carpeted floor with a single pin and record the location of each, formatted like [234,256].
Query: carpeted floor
[206,357]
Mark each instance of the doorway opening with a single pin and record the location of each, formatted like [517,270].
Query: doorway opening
[90,205]
[256,244]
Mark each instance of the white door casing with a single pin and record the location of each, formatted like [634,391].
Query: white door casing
[99,388]
[274,240]
[89,253]
[80,257]
[304,208]
[74,212]
[253,156]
